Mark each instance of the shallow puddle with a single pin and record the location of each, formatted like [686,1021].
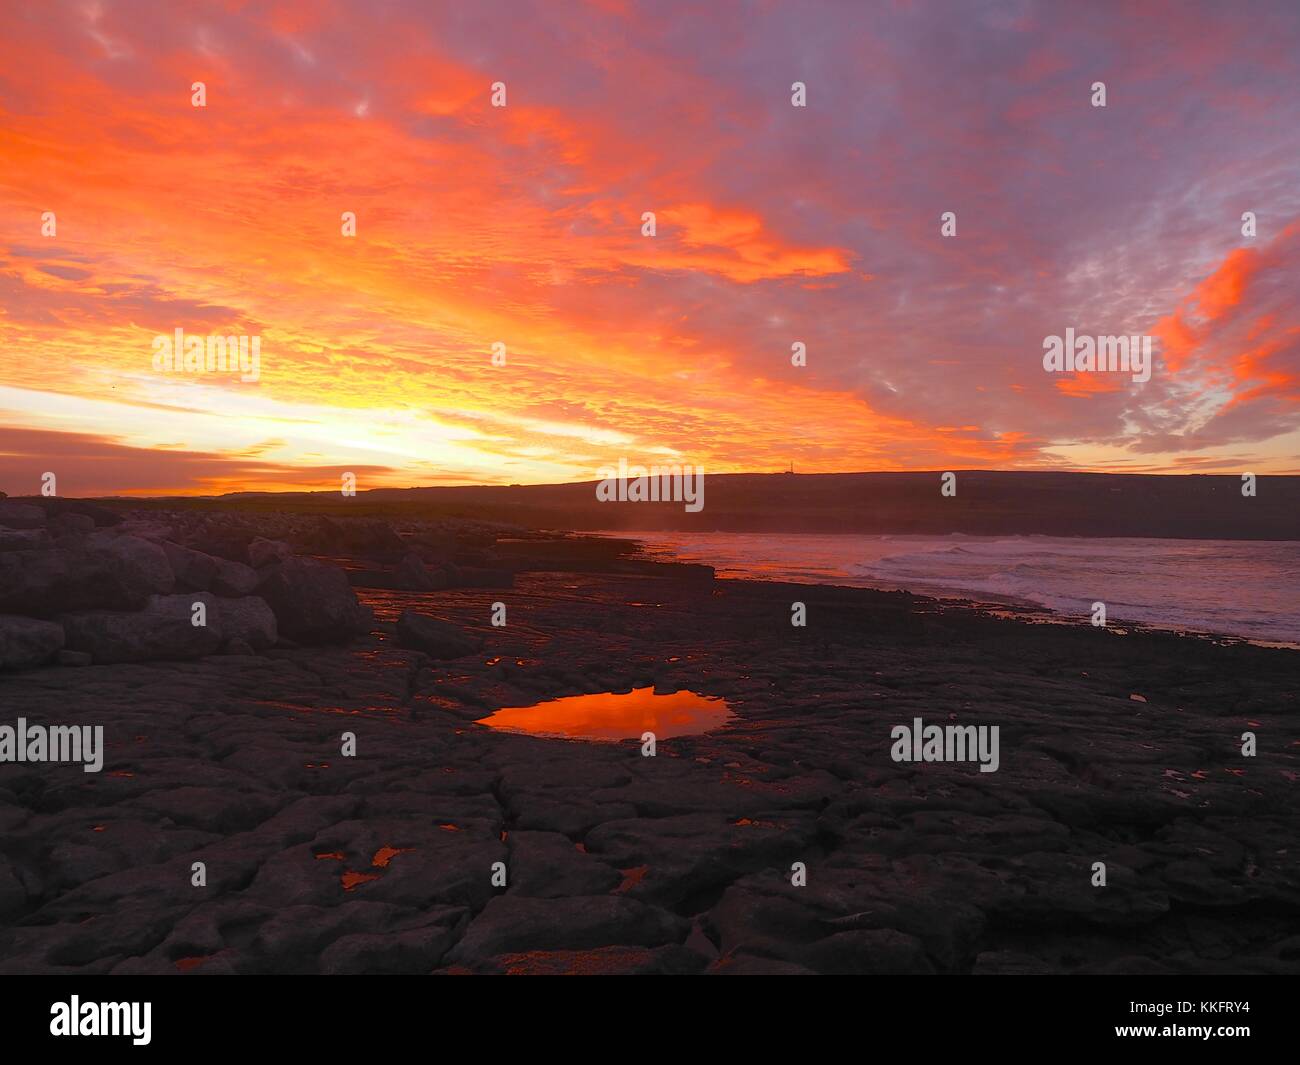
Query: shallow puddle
[607,716]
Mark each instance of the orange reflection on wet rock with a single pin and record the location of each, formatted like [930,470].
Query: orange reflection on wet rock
[386,854]
[609,716]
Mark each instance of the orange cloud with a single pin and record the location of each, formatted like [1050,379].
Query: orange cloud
[1088,384]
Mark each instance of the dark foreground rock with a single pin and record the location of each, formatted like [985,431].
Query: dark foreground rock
[16,515]
[198,572]
[313,602]
[27,642]
[439,845]
[248,620]
[436,638]
[164,629]
[101,570]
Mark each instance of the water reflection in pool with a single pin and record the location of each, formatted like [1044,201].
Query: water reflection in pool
[607,716]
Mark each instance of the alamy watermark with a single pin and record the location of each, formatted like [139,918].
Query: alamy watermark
[658,484]
[231,354]
[1085,354]
[103,1018]
[53,743]
[946,743]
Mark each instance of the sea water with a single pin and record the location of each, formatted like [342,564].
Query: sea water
[1243,588]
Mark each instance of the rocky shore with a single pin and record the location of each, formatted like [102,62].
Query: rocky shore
[226,748]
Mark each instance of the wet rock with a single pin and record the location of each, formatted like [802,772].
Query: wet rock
[742,964]
[575,818]
[548,865]
[313,602]
[411,950]
[449,869]
[479,577]
[218,810]
[163,630]
[1010,963]
[1129,965]
[682,856]
[511,924]
[435,637]
[1063,891]
[883,952]
[985,873]
[69,864]
[134,928]
[74,658]
[600,961]
[27,642]
[296,877]
[763,919]
[13,896]
[291,940]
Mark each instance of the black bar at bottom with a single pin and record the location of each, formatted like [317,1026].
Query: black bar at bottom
[379,1015]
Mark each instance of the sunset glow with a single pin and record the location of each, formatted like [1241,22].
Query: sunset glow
[523,225]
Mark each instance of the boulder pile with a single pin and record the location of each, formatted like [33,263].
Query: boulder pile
[80,585]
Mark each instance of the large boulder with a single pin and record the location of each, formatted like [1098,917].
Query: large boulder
[102,570]
[164,629]
[58,506]
[435,637]
[70,523]
[361,537]
[264,552]
[17,515]
[248,619]
[140,565]
[234,578]
[221,541]
[198,572]
[412,575]
[193,569]
[27,642]
[151,527]
[313,602]
[23,539]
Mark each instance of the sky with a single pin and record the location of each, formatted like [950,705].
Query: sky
[522,225]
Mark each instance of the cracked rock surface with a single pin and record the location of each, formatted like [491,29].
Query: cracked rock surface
[383,862]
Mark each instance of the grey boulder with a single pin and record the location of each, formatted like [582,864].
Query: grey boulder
[313,602]
[27,642]
[164,629]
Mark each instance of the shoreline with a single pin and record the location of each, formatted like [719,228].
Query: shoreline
[351,815]
[1029,610]
[1029,613]
[680,862]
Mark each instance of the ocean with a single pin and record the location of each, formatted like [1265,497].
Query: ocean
[1244,588]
